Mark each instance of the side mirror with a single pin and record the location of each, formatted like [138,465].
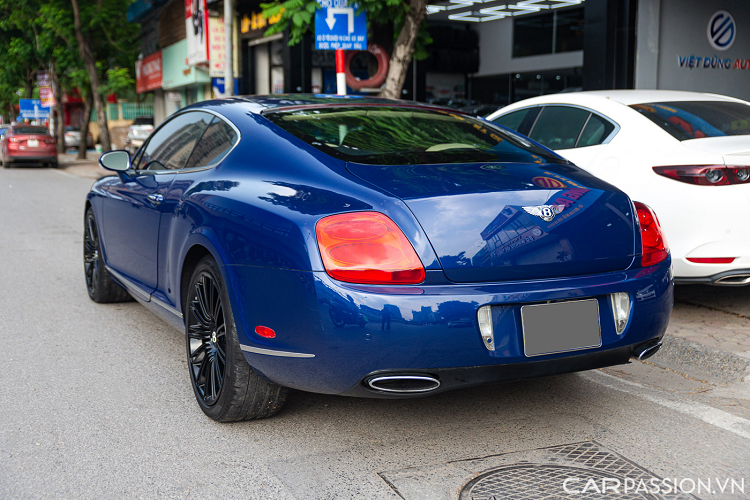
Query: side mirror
[118,160]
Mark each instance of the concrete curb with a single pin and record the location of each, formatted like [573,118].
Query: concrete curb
[699,361]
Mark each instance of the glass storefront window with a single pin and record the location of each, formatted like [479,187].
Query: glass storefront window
[550,33]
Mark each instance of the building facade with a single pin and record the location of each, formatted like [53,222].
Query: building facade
[496,51]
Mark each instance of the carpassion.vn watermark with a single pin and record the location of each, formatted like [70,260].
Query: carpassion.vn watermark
[709,486]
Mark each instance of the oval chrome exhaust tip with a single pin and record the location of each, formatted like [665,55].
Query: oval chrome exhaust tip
[404,383]
[733,280]
[646,351]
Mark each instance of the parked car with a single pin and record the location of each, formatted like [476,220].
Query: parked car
[28,144]
[138,132]
[332,245]
[73,137]
[481,109]
[683,153]
[451,102]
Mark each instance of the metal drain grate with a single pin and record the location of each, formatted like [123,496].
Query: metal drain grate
[541,474]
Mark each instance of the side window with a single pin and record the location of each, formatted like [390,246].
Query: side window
[558,127]
[214,145]
[596,130]
[171,145]
[512,120]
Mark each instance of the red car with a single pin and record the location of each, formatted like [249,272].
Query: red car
[28,144]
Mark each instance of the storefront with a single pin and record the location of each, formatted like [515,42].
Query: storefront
[694,45]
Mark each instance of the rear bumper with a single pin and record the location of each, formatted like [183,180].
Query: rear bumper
[31,156]
[455,378]
[331,336]
[734,277]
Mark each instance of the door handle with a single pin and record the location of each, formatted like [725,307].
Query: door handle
[155,198]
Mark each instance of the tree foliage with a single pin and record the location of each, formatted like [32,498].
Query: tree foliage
[40,35]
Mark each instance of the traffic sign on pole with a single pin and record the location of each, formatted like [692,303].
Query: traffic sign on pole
[32,109]
[338,27]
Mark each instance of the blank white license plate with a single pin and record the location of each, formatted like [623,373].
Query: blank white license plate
[560,327]
[32,143]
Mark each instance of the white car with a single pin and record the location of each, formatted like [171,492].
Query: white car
[685,154]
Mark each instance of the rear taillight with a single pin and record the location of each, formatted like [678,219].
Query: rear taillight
[707,175]
[50,141]
[14,139]
[654,248]
[367,247]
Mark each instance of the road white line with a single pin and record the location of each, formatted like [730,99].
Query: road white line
[713,416]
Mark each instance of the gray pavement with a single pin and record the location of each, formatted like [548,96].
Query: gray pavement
[95,400]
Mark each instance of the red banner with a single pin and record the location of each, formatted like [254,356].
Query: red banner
[148,73]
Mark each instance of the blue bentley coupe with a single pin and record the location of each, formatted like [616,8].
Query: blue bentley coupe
[370,247]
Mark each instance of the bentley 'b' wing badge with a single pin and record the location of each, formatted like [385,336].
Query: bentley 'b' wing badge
[545,212]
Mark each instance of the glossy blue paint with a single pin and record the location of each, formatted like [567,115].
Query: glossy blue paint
[473,215]
[256,211]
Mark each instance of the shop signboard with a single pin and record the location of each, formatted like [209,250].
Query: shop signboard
[217,46]
[45,89]
[196,24]
[32,109]
[217,87]
[148,73]
[339,27]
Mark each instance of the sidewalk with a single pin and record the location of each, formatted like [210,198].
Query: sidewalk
[88,168]
[709,333]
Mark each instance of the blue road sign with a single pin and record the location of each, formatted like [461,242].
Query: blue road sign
[338,27]
[32,109]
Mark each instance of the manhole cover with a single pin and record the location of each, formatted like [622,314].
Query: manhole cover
[542,482]
[578,471]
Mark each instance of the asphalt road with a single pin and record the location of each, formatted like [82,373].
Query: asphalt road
[95,402]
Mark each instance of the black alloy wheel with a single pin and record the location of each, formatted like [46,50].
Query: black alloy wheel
[225,386]
[91,252]
[207,339]
[99,284]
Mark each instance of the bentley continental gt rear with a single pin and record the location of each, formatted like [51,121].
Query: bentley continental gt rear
[371,248]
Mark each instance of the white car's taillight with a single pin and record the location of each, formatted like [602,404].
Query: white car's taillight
[706,175]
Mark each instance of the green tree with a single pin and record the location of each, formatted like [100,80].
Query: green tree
[404,18]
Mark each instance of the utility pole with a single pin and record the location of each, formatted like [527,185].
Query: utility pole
[228,40]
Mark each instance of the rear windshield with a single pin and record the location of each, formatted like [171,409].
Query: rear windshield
[383,135]
[29,130]
[695,119]
[144,120]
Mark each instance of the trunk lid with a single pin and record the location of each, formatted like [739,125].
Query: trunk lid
[734,149]
[474,216]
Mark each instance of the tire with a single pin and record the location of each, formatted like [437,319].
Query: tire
[227,390]
[99,283]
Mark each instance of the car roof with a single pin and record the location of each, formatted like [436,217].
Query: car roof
[625,97]
[261,103]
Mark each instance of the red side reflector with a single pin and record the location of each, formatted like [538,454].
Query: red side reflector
[654,247]
[367,247]
[264,331]
[711,260]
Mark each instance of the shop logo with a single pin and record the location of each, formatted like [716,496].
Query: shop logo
[721,30]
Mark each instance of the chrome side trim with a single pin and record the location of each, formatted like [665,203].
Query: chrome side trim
[129,285]
[271,352]
[166,306]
